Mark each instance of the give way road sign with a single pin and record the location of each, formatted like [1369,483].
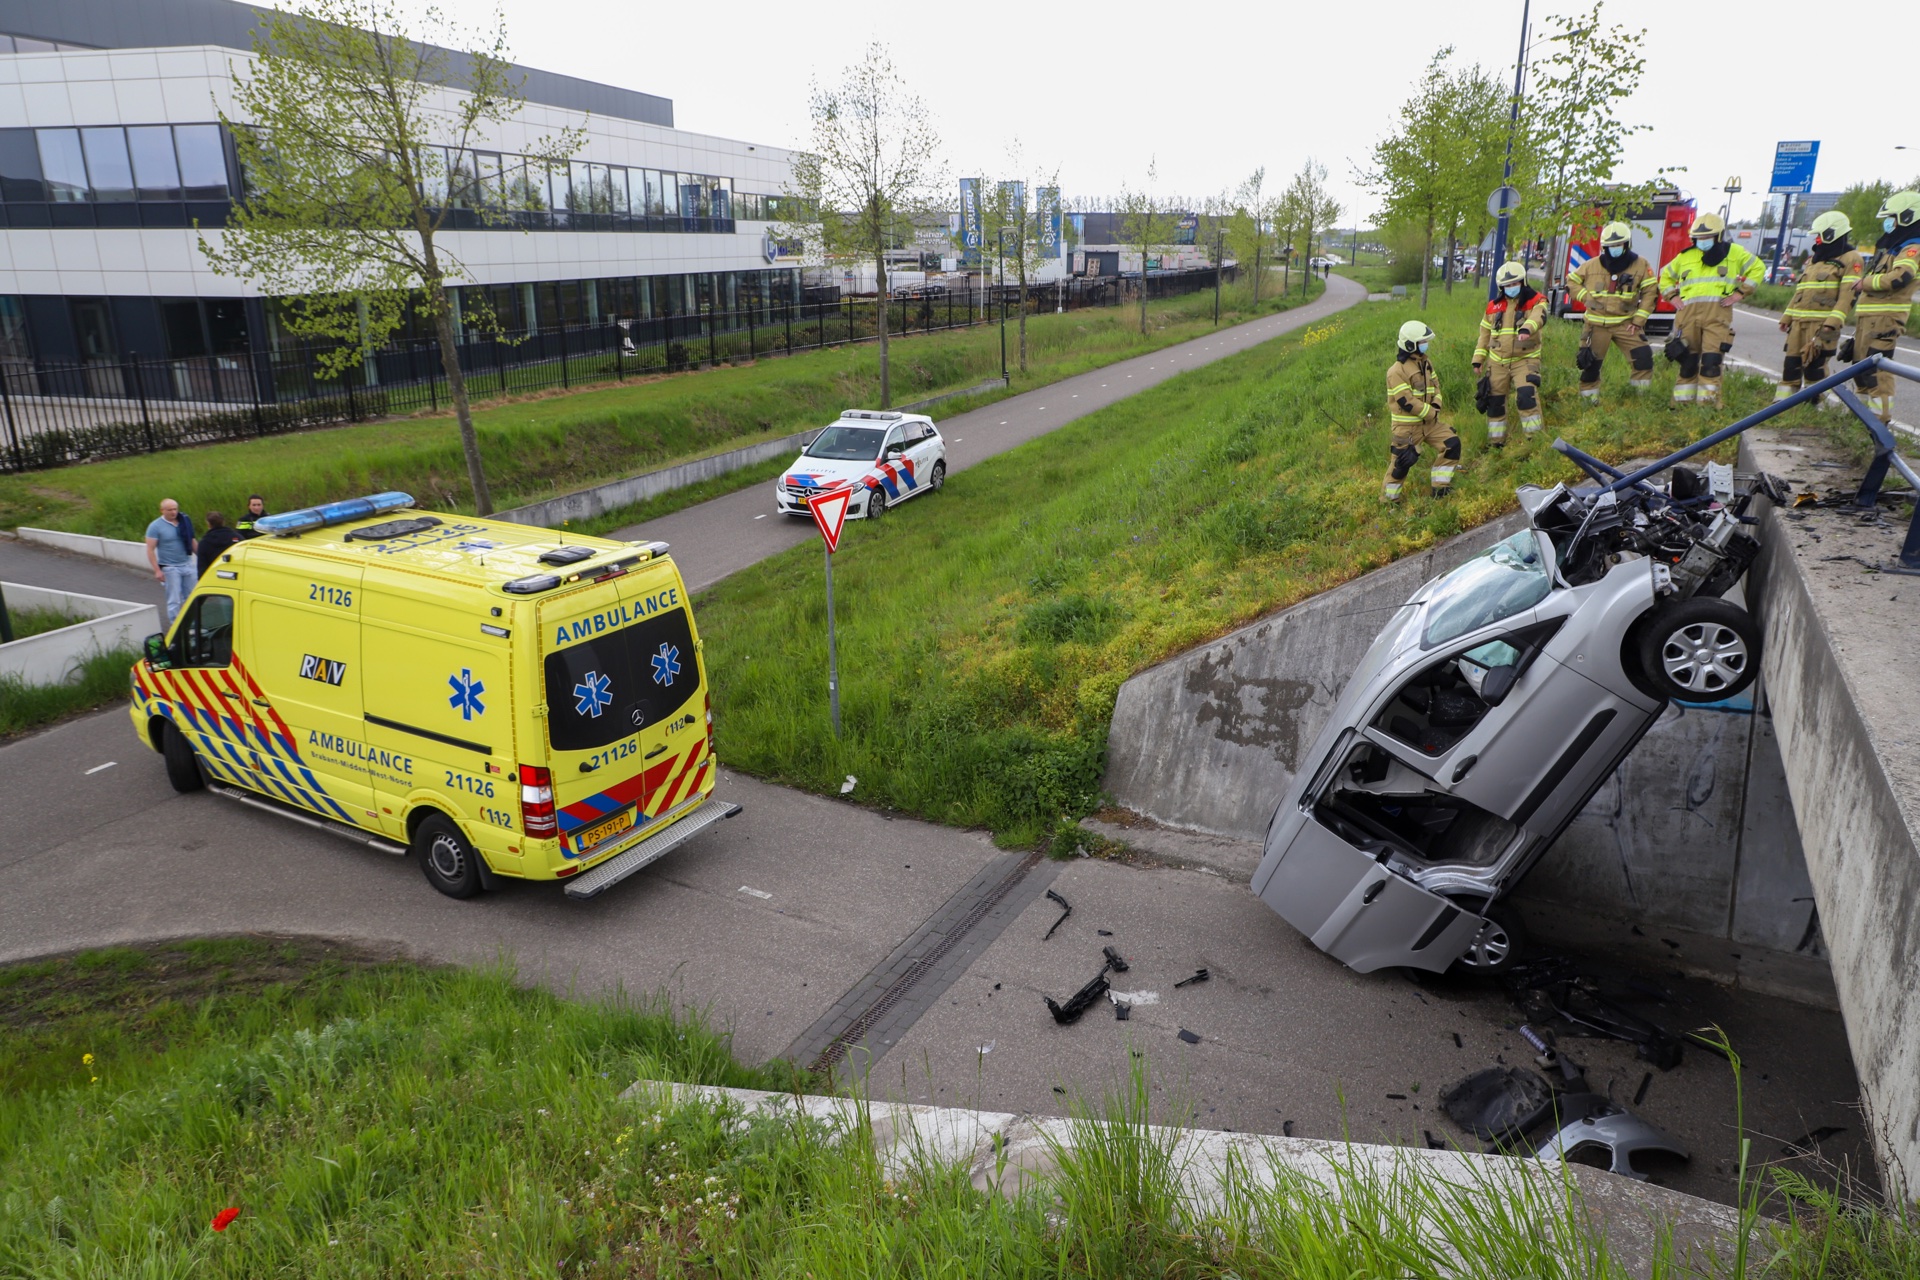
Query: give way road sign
[829,513]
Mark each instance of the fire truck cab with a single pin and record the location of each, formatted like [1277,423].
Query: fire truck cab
[1659,233]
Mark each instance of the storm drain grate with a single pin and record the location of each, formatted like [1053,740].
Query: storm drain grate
[922,965]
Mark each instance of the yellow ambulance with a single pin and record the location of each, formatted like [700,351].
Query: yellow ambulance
[495,699]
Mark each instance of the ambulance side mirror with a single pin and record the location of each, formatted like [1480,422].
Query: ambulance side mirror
[157,656]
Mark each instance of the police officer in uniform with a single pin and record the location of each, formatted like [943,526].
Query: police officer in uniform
[1509,353]
[1617,288]
[1705,281]
[256,508]
[1821,296]
[1886,292]
[1413,404]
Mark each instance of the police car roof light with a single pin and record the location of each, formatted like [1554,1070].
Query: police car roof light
[330,513]
[885,415]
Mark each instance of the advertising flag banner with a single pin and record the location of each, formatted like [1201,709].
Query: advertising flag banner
[1047,205]
[970,227]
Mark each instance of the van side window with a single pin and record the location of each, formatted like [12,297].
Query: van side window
[205,636]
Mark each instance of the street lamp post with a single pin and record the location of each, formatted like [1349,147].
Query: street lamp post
[1513,125]
[1000,252]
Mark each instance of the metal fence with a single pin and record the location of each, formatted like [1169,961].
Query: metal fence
[57,413]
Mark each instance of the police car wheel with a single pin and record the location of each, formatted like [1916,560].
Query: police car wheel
[183,768]
[876,504]
[937,478]
[449,862]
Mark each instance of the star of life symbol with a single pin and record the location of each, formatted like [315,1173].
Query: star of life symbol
[475,544]
[666,664]
[592,695]
[466,694]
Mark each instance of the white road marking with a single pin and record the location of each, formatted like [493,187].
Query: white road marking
[97,768]
[761,516]
[758,893]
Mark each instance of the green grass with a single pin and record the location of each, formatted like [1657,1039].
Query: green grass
[40,620]
[1378,278]
[368,1117]
[542,446]
[983,632]
[99,679]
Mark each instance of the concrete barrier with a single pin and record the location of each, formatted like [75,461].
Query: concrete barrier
[117,550]
[1838,667]
[50,657]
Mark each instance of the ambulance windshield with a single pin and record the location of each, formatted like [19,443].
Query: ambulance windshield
[609,685]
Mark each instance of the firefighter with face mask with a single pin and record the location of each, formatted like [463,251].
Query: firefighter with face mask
[1704,282]
[1507,359]
[1617,288]
[1886,292]
[1821,297]
[1413,405]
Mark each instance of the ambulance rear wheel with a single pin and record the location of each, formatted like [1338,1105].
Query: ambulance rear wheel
[183,770]
[451,865]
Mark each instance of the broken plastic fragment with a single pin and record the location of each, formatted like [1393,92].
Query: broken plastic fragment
[1114,962]
[1200,975]
[1188,1036]
[1498,1104]
[849,784]
[1080,1002]
[1066,911]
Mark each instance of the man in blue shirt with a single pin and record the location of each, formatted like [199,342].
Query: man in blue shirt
[170,548]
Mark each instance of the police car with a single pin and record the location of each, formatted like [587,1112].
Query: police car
[884,456]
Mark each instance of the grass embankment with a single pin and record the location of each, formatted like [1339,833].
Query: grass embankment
[984,632]
[1378,278]
[556,443]
[97,680]
[370,1118]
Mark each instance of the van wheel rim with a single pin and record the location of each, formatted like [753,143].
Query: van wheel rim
[446,858]
[1490,949]
[1704,657]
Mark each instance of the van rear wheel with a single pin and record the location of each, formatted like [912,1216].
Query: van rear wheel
[450,864]
[183,768]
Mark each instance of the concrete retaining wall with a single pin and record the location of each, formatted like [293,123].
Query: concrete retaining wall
[1680,836]
[117,550]
[50,657]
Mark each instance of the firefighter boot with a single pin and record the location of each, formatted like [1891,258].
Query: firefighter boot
[1792,369]
[1497,422]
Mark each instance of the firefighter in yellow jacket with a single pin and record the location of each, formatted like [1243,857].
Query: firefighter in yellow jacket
[1507,357]
[1413,405]
[1822,295]
[1618,289]
[1705,281]
[1886,292]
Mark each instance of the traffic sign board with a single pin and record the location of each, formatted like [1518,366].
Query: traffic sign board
[1502,199]
[829,513]
[1793,164]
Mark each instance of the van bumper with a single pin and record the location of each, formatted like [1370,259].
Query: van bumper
[617,868]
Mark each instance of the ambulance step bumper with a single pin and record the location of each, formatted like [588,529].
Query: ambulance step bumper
[650,850]
[288,812]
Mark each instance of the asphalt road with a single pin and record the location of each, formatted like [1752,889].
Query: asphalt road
[35,566]
[1759,347]
[727,534]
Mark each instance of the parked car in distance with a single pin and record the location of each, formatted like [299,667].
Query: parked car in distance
[886,457]
[1495,703]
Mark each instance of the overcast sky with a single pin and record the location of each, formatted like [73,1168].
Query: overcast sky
[1214,91]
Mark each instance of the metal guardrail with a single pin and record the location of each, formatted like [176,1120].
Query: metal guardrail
[1886,452]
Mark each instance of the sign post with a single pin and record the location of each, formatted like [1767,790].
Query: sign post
[829,514]
[1793,164]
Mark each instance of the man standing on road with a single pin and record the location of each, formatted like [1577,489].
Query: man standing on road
[1818,309]
[1886,295]
[1413,405]
[256,507]
[1617,288]
[1705,282]
[170,548]
[1509,352]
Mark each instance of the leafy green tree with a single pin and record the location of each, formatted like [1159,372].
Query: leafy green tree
[1861,203]
[1413,171]
[1249,227]
[356,133]
[870,171]
[1147,222]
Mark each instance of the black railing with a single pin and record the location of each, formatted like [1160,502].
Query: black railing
[57,413]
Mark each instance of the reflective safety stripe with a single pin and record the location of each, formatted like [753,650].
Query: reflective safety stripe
[1883,308]
[1404,386]
[1683,391]
[1401,419]
[1442,476]
[1497,429]
[1530,425]
[1785,389]
[1591,393]
[1392,491]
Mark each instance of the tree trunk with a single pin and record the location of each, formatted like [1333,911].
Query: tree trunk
[457,391]
[880,305]
[1453,242]
[1023,305]
[1426,264]
[1256,276]
[1144,247]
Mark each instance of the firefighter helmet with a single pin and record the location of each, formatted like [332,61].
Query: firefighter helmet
[1616,235]
[1510,274]
[1831,225]
[1708,225]
[1903,207]
[1412,334]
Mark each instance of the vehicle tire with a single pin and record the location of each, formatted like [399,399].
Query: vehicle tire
[876,503]
[1498,946]
[1699,650]
[937,478]
[183,767]
[451,864]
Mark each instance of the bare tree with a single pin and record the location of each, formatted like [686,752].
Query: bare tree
[1011,215]
[870,170]
[357,142]
[1146,222]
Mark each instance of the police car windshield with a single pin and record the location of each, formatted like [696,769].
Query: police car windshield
[847,444]
[1507,578]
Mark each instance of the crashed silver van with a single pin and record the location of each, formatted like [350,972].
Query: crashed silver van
[1495,703]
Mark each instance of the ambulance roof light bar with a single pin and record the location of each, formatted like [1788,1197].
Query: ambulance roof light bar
[331,513]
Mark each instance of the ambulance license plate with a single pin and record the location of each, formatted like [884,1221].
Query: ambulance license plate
[606,829]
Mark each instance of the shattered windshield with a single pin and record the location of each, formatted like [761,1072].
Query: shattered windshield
[847,444]
[1507,578]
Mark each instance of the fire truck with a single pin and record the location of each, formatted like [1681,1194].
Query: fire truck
[1659,233]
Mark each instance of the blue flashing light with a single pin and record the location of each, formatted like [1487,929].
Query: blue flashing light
[332,513]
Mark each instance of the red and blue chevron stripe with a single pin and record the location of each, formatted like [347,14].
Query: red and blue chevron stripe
[894,478]
[668,782]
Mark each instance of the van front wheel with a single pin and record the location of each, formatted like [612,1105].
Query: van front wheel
[451,865]
[183,769]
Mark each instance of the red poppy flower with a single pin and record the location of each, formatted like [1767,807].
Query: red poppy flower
[224,1219]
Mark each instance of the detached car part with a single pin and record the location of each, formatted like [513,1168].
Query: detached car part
[1589,1120]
